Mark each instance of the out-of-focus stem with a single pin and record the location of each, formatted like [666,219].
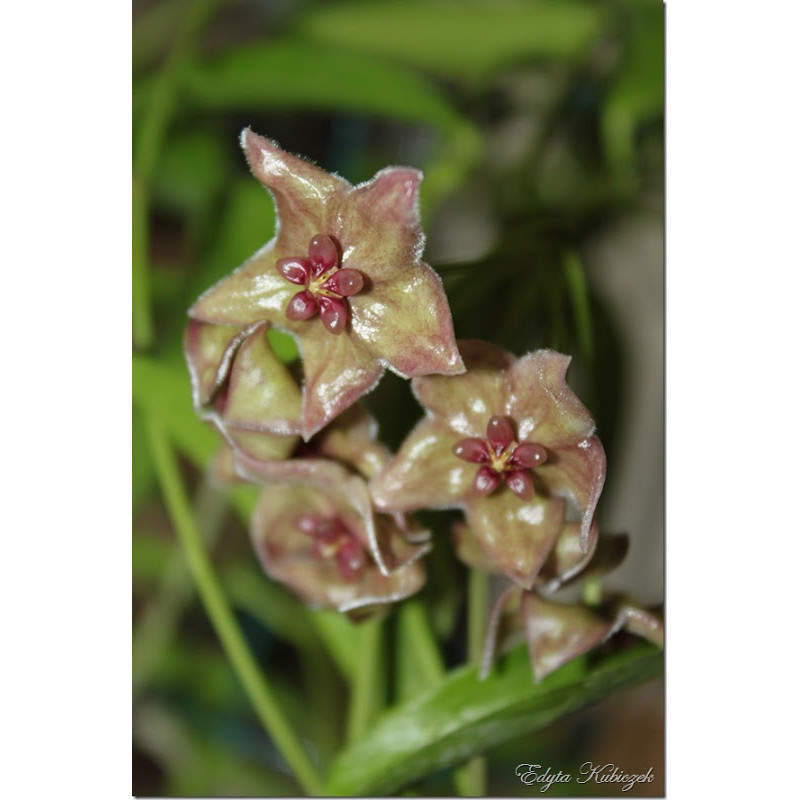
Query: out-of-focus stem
[365,687]
[175,588]
[471,778]
[221,616]
[418,635]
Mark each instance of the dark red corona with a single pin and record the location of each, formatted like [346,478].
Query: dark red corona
[333,539]
[502,459]
[327,285]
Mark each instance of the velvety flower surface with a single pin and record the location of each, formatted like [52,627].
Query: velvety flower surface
[556,633]
[321,538]
[565,563]
[241,387]
[351,440]
[510,444]
[344,276]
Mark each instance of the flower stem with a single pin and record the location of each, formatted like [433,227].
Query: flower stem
[219,611]
[471,778]
[365,687]
[160,618]
[418,637]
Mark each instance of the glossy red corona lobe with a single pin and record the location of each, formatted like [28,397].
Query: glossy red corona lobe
[333,539]
[326,284]
[502,459]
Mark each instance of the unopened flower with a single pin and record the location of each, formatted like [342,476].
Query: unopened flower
[344,276]
[321,538]
[557,633]
[510,444]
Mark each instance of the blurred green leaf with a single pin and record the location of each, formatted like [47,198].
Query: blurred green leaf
[149,555]
[199,766]
[153,30]
[246,224]
[164,391]
[636,94]
[197,671]
[465,716]
[142,477]
[192,169]
[282,74]
[269,603]
[465,41]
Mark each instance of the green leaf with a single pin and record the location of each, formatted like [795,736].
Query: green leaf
[268,602]
[636,94]
[468,41]
[142,474]
[149,555]
[285,74]
[465,716]
[247,222]
[191,171]
[163,391]
[310,75]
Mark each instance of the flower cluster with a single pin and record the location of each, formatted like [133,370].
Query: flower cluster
[503,439]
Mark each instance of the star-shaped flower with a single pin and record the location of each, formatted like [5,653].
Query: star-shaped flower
[344,276]
[557,633]
[321,538]
[510,444]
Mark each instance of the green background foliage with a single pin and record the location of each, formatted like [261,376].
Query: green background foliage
[539,126]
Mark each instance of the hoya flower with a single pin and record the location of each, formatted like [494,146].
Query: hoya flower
[241,387]
[567,561]
[344,453]
[351,441]
[344,276]
[321,538]
[510,444]
[556,633]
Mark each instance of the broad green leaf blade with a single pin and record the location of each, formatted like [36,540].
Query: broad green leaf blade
[465,716]
[310,75]
[468,41]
